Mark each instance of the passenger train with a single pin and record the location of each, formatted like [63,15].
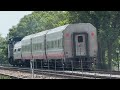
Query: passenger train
[71,42]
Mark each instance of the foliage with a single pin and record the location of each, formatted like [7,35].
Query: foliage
[3,50]
[39,21]
[108,30]
[5,77]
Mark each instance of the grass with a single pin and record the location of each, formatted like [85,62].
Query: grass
[5,77]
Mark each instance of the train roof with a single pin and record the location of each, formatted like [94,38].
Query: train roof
[61,28]
[40,33]
[57,29]
[18,44]
[28,37]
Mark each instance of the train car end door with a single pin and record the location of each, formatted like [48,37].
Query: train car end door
[80,44]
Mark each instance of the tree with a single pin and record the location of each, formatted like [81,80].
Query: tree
[39,21]
[108,27]
[3,50]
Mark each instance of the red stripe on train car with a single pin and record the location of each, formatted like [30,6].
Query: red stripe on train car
[54,55]
[38,56]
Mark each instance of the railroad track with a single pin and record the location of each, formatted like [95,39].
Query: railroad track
[69,74]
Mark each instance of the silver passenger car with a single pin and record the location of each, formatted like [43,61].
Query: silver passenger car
[38,45]
[71,41]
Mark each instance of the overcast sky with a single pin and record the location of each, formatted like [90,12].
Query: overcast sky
[9,19]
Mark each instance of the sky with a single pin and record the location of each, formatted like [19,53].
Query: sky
[9,19]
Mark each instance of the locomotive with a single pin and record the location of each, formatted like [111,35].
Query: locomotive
[71,42]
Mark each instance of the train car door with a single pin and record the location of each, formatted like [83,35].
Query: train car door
[80,44]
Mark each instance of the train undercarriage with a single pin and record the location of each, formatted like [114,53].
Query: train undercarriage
[69,64]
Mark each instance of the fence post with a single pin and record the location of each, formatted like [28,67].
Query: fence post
[63,66]
[36,63]
[48,64]
[55,67]
[41,66]
[32,67]
[82,68]
[72,66]
[94,67]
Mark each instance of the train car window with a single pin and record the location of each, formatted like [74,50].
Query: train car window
[32,47]
[19,49]
[27,47]
[80,39]
[51,44]
[40,46]
[47,45]
[35,46]
[58,43]
[15,50]
[24,48]
[61,42]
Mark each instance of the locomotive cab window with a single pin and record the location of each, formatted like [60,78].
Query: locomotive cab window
[19,49]
[80,39]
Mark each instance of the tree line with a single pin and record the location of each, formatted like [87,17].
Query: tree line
[107,24]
